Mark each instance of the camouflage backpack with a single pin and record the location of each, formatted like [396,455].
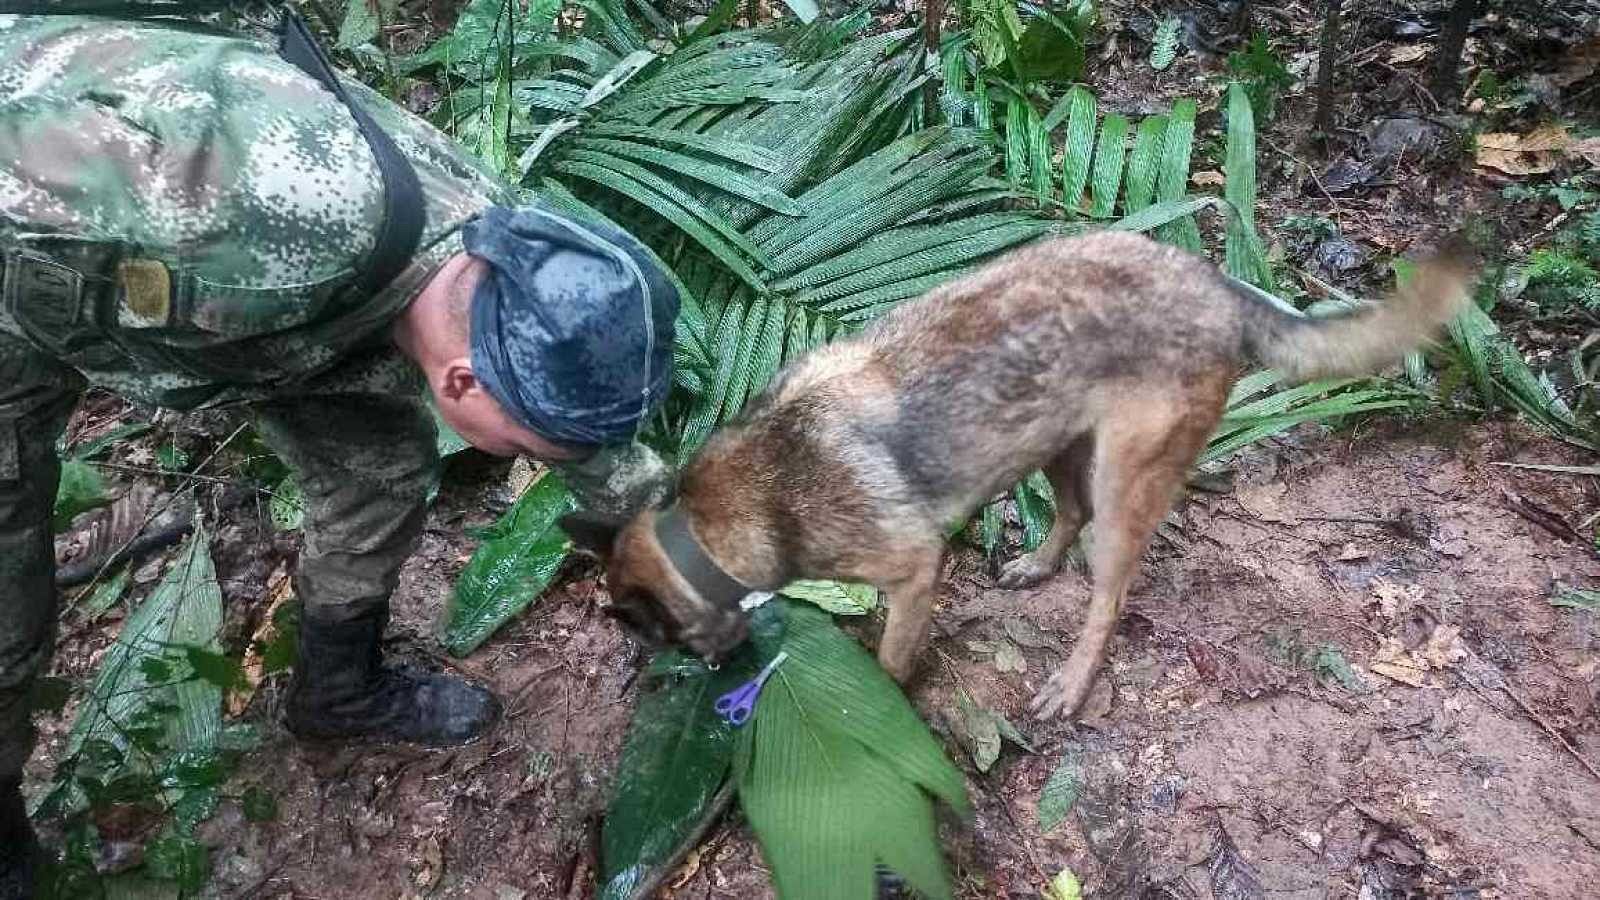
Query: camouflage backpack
[403,203]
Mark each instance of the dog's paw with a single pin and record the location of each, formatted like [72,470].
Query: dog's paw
[1023,572]
[1061,695]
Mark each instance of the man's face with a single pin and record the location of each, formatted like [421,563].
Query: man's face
[475,415]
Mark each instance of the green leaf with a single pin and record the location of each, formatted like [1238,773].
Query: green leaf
[81,489]
[288,505]
[1576,598]
[259,804]
[362,19]
[675,759]
[1018,139]
[105,595]
[835,771]
[110,439]
[214,668]
[182,860]
[1108,156]
[511,568]
[184,609]
[1059,794]
[1143,163]
[1164,46]
[1037,513]
[195,769]
[171,458]
[1079,147]
[1162,214]
[839,598]
[1246,259]
[1173,177]
[1051,49]
[1065,886]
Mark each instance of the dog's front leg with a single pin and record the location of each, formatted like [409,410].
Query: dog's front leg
[910,601]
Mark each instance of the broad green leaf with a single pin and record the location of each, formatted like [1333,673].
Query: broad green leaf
[519,556]
[105,595]
[1018,140]
[362,19]
[675,758]
[259,804]
[839,598]
[185,609]
[1162,214]
[1079,147]
[1173,176]
[1065,886]
[1060,793]
[91,449]
[214,668]
[1051,48]
[835,771]
[1108,156]
[1246,260]
[1037,514]
[80,490]
[1143,163]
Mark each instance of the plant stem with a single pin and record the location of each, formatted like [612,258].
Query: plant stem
[1325,59]
[1446,74]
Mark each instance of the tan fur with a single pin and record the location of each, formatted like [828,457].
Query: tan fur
[1104,360]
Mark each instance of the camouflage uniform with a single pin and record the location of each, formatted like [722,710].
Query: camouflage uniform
[182,217]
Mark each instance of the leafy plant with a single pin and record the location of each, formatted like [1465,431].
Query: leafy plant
[1263,74]
[148,740]
[1164,46]
[1558,280]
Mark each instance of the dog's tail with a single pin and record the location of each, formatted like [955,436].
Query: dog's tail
[1360,341]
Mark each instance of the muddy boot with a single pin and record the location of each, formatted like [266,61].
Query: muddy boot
[19,850]
[343,691]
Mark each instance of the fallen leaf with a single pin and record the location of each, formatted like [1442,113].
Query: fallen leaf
[1232,877]
[1065,886]
[1097,706]
[1444,648]
[1059,794]
[280,588]
[1204,660]
[1410,53]
[1393,661]
[980,731]
[1209,178]
[1265,502]
[1533,153]
[1027,634]
[1008,658]
[432,864]
[1394,598]
[691,865]
[1588,149]
[1580,63]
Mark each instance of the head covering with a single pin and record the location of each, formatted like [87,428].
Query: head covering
[572,326]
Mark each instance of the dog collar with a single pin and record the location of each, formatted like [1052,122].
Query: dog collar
[690,559]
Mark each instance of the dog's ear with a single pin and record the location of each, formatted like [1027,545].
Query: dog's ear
[591,532]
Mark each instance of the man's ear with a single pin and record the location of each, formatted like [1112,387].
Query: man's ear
[458,379]
[592,532]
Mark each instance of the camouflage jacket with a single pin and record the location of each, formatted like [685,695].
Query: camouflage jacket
[183,214]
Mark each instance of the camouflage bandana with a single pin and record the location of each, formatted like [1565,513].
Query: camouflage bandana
[572,326]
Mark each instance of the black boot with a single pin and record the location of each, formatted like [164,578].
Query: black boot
[19,849]
[342,691]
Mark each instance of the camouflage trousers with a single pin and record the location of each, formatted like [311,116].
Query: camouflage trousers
[366,465]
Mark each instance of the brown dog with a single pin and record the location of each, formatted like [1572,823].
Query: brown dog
[1105,360]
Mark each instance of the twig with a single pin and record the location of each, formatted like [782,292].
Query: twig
[1330,45]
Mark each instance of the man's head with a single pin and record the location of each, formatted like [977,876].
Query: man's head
[547,337]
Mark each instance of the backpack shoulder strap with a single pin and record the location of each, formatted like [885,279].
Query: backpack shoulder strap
[401,230]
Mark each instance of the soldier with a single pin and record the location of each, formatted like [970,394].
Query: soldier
[192,221]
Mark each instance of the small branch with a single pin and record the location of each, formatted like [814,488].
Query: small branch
[932,23]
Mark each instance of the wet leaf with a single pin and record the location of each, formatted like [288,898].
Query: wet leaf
[980,731]
[674,760]
[1060,794]
[519,556]
[839,598]
[106,594]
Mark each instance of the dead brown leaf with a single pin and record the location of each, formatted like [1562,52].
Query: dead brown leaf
[1204,660]
[432,864]
[1444,648]
[1581,62]
[1209,178]
[1410,53]
[1393,661]
[1588,150]
[280,588]
[1534,153]
[1395,598]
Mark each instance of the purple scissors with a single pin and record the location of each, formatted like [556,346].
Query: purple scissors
[736,705]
